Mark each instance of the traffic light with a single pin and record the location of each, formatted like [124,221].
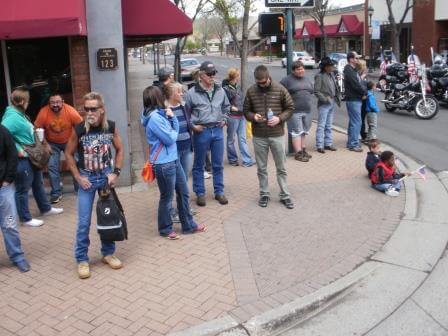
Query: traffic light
[271,24]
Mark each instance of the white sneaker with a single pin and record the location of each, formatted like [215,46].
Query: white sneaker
[53,211]
[207,175]
[392,192]
[34,222]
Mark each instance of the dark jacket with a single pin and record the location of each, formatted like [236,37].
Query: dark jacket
[8,157]
[326,89]
[371,160]
[352,84]
[260,100]
[235,97]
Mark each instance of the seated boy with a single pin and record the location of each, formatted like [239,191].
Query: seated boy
[384,177]
[373,155]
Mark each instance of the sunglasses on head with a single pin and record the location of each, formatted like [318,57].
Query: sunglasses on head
[90,109]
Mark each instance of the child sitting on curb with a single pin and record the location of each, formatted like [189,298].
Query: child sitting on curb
[384,177]
[372,112]
[373,155]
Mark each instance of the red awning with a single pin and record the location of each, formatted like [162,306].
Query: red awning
[154,20]
[43,18]
[350,25]
[311,29]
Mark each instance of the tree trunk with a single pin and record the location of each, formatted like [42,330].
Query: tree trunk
[177,52]
[396,41]
[245,45]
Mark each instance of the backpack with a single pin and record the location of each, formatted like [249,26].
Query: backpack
[39,153]
[111,222]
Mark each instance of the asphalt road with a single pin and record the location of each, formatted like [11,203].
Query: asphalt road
[424,140]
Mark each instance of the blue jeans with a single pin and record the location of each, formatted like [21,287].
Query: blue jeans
[170,177]
[54,173]
[8,224]
[209,139]
[85,206]
[186,161]
[385,186]
[354,122]
[29,177]
[238,126]
[324,135]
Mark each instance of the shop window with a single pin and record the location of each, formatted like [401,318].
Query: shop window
[42,66]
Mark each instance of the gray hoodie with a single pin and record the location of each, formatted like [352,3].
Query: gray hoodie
[205,110]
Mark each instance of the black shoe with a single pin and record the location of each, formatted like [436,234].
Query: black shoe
[221,199]
[23,266]
[331,148]
[263,201]
[356,149]
[55,199]
[308,155]
[287,203]
[321,150]
[300,156]
[234,163]
[200,200]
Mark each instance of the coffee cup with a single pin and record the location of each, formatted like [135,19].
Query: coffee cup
[40,134]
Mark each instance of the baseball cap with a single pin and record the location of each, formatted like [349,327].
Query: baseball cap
[208,67]
[165,72]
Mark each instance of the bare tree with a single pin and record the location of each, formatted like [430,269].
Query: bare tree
[318,13]
[180,45]
[229,10]
[219,29]
[397,26]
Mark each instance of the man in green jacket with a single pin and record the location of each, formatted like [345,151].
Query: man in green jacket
[268,106]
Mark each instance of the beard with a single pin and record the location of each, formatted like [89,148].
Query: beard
[91,121]
[56,109]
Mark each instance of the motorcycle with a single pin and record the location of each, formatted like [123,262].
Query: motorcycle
[438,81]
[402,95]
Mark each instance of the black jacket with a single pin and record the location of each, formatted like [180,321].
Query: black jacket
[371,160]
[352,84]
[8,157]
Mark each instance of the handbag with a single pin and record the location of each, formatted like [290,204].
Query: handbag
[111,222]
[148,174]
[39,153]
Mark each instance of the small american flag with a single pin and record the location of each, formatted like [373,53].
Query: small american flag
[421,172]
[412,67]
[383,64]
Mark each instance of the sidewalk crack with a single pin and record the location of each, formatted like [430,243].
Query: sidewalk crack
[429,315]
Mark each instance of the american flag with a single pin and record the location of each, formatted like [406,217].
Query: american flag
[383,64]
[421,172]
[412,67]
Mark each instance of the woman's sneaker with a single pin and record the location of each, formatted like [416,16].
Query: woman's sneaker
[34,222]
[53,211]
[207,175]
[392,192]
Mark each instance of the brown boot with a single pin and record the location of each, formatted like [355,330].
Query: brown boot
[301,157]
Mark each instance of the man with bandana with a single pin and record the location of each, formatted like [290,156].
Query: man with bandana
[8,211]
[58,120]
[94,141]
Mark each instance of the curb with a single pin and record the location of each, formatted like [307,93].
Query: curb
[406,249]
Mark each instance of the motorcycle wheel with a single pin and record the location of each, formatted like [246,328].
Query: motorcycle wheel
[387,106]
[429,111]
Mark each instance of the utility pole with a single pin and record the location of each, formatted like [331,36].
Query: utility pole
[289,35]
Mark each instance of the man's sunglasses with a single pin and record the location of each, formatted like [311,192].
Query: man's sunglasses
[263,83]
[211,74]
[91,109]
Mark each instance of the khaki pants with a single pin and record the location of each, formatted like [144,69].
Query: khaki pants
[277,147]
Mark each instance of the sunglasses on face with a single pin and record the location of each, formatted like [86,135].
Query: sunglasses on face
[91,109]
[211,74]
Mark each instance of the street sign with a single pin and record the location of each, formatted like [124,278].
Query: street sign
[290,3]
[271,24]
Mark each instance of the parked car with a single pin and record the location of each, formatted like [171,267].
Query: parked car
[188,65]
[303,56]
[336,57]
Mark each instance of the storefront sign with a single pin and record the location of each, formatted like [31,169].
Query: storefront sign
[290,3]
[107,59]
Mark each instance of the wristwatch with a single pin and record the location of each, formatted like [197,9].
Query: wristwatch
[117,171]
